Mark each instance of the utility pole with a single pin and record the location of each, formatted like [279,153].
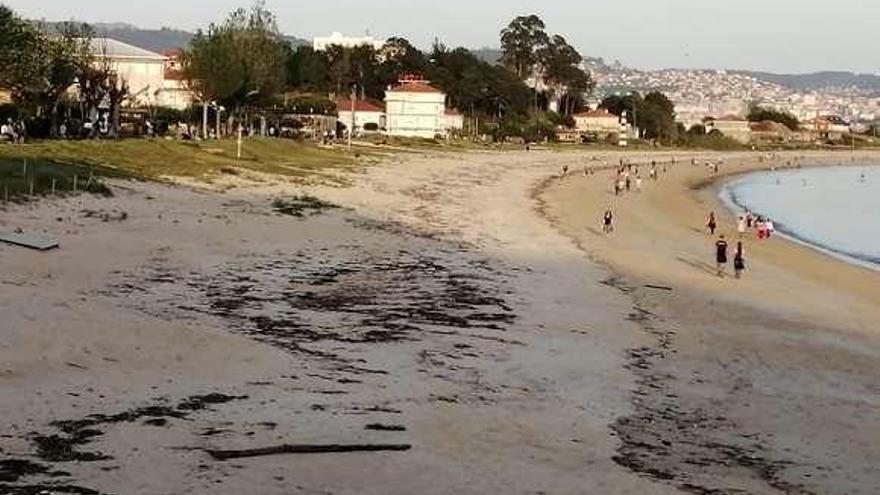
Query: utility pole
[351,129]
[205,120]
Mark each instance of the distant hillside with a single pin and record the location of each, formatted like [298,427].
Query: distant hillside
[155,40]
[820,80]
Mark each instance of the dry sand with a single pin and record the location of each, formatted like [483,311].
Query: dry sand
[439,299]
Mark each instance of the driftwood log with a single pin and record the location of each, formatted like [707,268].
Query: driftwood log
[223,455]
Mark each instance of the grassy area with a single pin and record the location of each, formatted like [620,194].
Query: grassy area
[161,159]
[21,178]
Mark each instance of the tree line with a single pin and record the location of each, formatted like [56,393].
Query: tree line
[39,68]
[247,66]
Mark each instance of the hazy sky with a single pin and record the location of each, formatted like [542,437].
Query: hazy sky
[775,35]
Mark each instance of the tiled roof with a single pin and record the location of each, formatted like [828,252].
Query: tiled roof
[414,87]
[344,105]
[601,112]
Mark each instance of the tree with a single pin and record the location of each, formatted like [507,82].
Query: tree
[308,69]
[69,52]
[760,114]
[240,62]
[654,114]
[520,42]
[23,55]
[400,57]
[560,69]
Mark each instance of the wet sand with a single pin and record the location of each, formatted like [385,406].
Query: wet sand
[449,304]
[765,384]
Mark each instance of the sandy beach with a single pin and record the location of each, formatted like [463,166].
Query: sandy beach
[785,356]
[461,305]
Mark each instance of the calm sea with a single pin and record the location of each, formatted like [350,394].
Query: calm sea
[835,210]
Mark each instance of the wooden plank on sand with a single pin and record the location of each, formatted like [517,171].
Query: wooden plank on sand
[31,241]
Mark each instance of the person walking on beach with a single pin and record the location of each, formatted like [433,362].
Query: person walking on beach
[721,255]
[741,226]
[739,260]
[638,184]
[608,222]
[712,224]
[564,171]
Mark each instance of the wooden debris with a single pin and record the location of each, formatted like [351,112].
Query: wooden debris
[223,455]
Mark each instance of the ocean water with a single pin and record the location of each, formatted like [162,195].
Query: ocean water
[835,210]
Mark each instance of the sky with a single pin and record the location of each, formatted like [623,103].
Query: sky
[793,36]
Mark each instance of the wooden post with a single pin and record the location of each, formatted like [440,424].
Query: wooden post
[53,186]
[75,178]
[238,153]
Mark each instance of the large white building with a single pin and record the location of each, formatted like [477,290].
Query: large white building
[153,79]
[414,108]
[143,70]
[321,43]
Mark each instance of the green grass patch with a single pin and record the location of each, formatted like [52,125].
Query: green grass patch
[21,178]
[159,159]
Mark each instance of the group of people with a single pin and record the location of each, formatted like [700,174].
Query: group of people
[14,132]
[627,177]
[763,227]
[721,257]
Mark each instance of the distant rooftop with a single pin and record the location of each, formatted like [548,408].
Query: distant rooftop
[112,48]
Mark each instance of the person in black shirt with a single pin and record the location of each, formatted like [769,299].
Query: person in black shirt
[608,222]
[721,255]
[739,260]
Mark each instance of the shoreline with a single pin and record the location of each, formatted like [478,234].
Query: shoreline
[731,204]
[797,330]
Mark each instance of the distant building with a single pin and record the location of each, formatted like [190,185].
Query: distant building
[143,70]
[321,43]
[770,132]
[368,115]
[453,121]
[599,123]
[416,109]
[5,96]
[175,92]
[734,127]
[829,127]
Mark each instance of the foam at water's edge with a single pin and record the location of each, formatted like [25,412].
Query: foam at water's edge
[728,197]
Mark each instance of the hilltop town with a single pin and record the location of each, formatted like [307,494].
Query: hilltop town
[701,93]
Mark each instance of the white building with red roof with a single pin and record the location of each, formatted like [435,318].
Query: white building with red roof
[368,116]
[414,108]
[600,123]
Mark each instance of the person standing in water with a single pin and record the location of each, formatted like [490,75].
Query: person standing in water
[712,224]
[608,222]
[721,255]
[739,260]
